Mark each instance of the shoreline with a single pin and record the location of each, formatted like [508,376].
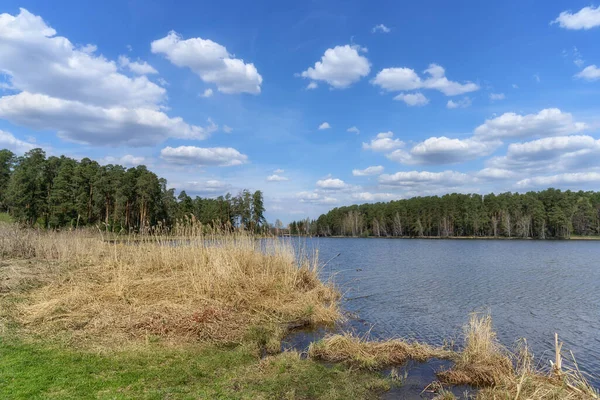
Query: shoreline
[576,238]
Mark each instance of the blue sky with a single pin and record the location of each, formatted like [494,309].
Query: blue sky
[318,104]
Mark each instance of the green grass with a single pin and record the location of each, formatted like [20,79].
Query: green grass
[49,371]
[4,217]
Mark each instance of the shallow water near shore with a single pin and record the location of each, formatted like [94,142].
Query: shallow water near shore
[424,290]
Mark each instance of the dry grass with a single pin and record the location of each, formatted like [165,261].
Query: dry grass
[212,287]
[362,353]
[483,361]
[502,374]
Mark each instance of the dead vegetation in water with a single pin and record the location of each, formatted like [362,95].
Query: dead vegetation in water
[483,361]
[211,287]
[358,351]
[502,374]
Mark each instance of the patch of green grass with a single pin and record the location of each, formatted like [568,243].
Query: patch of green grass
[49,371]
[4,217]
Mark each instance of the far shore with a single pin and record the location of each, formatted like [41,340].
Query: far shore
[457,237]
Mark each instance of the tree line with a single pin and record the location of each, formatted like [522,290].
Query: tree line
[55,192]
[550,213]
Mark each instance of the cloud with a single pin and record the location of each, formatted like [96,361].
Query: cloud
[340,67]
[127,160]
[38,61]
[353,129]
[367,196]
[443,150]
[413,179]
[324,125]
[537,78]
[383,142]
[376,170]
[227,129]
[515,86]
[215,156]
[412,99]
[278,171]
[381,28]
[332,184]
[462,103]
[567,179]
[81,95]
[207,93]
[84,123]
[312,86]
[497,96]
[137,67]
[316,198]
[548,122]
[8,141]
[276,178]
[400,79]
[562,153]
[495,174]
[211,187]
[589,73]
[586,18]
[211,62]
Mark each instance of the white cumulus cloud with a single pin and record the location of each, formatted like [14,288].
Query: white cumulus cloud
[381,28]
[62,70]
[127,160]
[85,123]
[340,67]
[137,67]
[368,196]
[401,79]
[586,18]
[211,62]
[383,142]
[412,179]
[443,150]
[353,129]
[462,103]
[8,141]
[324,125]
[375,170]
[276,178]
[548,122]
[497,96]
[566,179]
[331,184]
[412,99]
[589,73]
[213,156]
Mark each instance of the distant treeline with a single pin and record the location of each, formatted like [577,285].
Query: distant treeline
[547,214]
[56,192]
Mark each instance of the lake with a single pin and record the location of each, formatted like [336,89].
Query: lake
[425,289]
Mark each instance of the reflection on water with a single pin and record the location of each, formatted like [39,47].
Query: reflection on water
[425,289]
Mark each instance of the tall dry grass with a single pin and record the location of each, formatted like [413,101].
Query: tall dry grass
[211,286]
[360,352]
[504,374]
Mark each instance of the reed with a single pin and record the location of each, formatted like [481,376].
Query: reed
[204,285]
[360,352]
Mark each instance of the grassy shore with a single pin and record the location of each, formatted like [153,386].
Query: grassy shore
[202,315]
[202,318]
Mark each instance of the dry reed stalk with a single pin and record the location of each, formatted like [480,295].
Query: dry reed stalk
[362,353]
[483,361]
[207,285]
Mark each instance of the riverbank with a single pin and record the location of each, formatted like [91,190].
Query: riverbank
[204,318]
[460,237]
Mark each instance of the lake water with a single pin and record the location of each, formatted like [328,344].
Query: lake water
[425,289]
